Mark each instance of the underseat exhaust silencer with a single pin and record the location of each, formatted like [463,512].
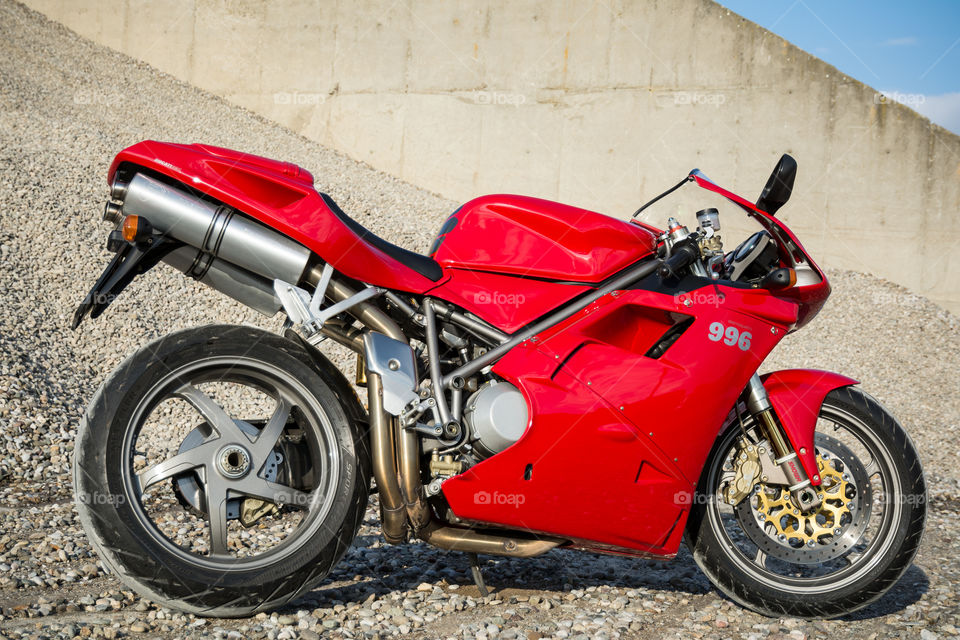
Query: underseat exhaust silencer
[226,250]
[240,284]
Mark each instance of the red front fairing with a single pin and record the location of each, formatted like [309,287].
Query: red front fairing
[811,296]
[617,438]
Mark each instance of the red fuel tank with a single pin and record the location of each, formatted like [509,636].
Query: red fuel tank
[534,238]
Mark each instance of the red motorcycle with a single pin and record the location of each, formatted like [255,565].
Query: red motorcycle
[547,377]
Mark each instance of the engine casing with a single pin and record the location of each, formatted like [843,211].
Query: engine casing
[496,416]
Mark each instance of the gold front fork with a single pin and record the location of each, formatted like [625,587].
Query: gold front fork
[758,403]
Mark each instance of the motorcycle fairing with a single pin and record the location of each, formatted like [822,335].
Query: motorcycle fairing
[617,435]
[796,396]
[507,302]
[582,472]
[810,296]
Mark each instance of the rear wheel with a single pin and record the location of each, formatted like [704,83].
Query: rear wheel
[774,558]
[221,471]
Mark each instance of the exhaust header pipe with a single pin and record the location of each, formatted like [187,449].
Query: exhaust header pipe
[230,252]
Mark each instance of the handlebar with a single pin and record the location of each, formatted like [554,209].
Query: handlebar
[683,254]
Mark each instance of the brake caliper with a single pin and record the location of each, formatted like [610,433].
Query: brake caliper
[747,469]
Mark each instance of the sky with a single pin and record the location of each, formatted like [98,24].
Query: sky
[907,49]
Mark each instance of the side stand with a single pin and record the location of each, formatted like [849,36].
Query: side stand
[477,575]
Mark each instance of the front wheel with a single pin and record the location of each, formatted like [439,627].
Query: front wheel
[222,470]
[776,559]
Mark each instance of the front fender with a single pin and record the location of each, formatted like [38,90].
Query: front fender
[796,396]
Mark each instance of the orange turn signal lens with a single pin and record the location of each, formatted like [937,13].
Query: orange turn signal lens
[136,229]
[129,228]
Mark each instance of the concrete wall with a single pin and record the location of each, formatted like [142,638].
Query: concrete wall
[601,105]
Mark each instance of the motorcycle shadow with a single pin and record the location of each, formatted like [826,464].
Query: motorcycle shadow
[909,589]
[372,569]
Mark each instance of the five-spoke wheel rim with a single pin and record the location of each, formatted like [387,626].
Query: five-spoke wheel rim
[231,462]
[852,565]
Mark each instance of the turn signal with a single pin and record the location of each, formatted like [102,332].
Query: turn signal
[136,229]
[780,279]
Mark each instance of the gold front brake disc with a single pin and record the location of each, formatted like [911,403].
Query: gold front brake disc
[775,508]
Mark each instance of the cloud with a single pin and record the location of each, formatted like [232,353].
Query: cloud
[906,41]
[943,109]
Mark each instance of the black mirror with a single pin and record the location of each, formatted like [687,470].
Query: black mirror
[779,186]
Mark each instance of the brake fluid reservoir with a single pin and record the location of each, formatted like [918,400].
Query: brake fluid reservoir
[709,218]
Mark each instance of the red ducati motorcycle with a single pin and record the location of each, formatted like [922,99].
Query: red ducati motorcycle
[547,377]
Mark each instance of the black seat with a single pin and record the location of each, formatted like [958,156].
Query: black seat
[425,266]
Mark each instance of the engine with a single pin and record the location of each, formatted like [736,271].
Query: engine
[495,417]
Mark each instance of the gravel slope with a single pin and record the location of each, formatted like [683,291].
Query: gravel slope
[66,107]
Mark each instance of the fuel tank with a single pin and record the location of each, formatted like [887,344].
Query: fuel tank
[512,259]
[534,238]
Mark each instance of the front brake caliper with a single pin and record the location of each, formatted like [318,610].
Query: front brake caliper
[753,463]
[747,468]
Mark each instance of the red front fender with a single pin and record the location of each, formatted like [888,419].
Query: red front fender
[796,395]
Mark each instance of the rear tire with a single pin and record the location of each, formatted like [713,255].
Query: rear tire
[861,577]
[221,580]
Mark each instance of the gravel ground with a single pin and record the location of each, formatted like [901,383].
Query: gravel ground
[66,107]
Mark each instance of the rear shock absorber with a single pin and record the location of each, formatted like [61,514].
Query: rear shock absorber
[759,405]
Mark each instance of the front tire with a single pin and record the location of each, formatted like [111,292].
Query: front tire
[760,556]
[210,512]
